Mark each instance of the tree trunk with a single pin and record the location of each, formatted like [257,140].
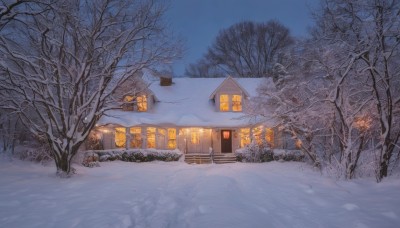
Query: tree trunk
[63,164]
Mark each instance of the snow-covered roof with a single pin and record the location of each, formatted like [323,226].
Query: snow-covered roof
[186,103]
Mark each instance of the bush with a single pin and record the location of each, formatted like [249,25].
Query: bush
[262,153]
[135,155]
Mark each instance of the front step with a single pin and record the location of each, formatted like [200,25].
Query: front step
[224,158]
[198,158]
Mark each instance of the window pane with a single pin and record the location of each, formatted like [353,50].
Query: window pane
[151,137]
[136,137]
[128,103]
[224,102]
[120,137]
[237,103]
[257,133]
[195,136]
[269,137]
[171,138]
[244,137]
[142,103]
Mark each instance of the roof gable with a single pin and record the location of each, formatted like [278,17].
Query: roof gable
[229,82]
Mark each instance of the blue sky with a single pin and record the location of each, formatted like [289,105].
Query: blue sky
[198,21]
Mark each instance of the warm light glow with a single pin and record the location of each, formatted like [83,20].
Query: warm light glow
[171,138]
[363,123]
[257,134]
[269,136]
[237,103]
[151,137]
[120,137]
[298,144]
[128,103]
[141,103]
[194,136]
[224,102]
[225,134]
[244,137]
[136,137]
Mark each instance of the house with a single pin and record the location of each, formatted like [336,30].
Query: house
[194,115]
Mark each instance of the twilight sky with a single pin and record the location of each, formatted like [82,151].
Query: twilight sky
[198,21]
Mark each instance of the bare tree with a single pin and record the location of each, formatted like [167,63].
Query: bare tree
[246,49]
[369,33]
[60,69]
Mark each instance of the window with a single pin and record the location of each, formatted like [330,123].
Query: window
[269,137]
[151,137]
[224,103]
[120,137]
[128,103]
[141,103]
[171,138]
[136,137]
[195,136]
[236,103]
[244,137]
[257,134]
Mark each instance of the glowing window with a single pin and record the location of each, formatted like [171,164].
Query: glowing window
[136,137]
[237,103]
[128,103]
[257,134]
[171,138]
[269,137]
[298,144]
[224,102]
[120,137]
[226,134]
[195,136]
[141,103]
[151,137]
[244,137]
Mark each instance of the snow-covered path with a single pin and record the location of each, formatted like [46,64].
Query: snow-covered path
[175,194]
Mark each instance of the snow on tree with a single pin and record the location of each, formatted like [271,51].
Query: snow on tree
[61,68]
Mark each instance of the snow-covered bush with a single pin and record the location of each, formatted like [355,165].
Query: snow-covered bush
[36,153]
[254,153]
[132,155]
[260,153]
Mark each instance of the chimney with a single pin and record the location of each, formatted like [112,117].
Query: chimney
[165,81]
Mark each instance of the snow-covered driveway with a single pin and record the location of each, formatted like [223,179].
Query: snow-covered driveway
[175,194]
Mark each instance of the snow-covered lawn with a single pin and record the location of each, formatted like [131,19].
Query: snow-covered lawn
[161,194]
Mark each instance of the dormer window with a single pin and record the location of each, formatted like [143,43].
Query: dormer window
[224,102]
[141,103]
[236,103]
[230,103]
[130,101]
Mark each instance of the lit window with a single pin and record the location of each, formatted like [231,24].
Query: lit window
[195,136]
[141,103]
[244,137]
[171,138]
[224,103]
[120,137]
[257,134]
[226,134]
[269,136]
[151,137]
[136,138]
[128,103]
[298,144]
[237,103]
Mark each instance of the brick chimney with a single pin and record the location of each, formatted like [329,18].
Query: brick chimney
[165,81]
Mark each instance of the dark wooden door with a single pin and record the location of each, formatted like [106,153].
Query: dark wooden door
[226,141]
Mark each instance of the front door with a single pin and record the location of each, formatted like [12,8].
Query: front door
[226,141]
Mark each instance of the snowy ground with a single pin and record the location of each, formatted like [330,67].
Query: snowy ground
[175,194]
